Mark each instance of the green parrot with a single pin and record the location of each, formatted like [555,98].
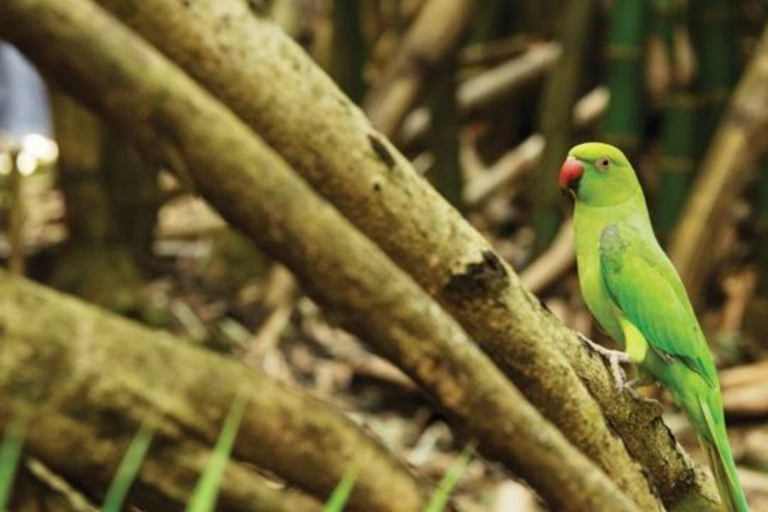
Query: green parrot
[636,295]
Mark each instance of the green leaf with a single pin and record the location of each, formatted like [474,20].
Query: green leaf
[340,494]
[207,490]
[129,467]
[10,454]
[442,494]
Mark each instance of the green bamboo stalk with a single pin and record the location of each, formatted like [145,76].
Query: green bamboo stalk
[716,53]
[349,49]
[678,161]
[444,137]
[623,121]
[679,142]
[490,22]
[761,228]
[556,119]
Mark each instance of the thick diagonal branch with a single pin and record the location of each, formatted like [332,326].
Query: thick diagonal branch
[170,117]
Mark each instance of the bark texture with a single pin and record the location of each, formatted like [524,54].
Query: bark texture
[168,116]
[276,88]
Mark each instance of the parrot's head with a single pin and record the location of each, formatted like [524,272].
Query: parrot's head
[598,174]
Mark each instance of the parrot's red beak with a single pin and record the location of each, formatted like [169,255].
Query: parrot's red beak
[570,173]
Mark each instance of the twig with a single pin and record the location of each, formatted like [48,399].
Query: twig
[488,88]
[280,298]
[514,164]
[553,263]
[57,486]
[745,390]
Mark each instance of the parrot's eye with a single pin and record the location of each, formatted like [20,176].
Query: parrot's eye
[603,164]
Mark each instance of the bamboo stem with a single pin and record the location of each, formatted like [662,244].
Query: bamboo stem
[556,120]
[444,137]
[679,141]
[623,121]
[349,52]
[16,216]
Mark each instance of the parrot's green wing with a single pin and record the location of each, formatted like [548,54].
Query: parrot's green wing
[645,286]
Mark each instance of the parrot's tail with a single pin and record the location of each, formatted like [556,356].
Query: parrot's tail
[715,443]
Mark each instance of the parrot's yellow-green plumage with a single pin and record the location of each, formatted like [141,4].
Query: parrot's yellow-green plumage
[636,295]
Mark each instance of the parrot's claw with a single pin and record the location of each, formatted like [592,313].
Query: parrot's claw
[614,358]
[631,388]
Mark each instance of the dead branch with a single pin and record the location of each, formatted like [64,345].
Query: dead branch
[488,88]
[745,390]
[330,142]
[553,263]
[514,164]
[435,32]
[171,118]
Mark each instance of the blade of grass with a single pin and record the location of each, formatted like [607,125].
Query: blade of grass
[443,493]
[206,492]
[10,455]
[340,494]
[129,467]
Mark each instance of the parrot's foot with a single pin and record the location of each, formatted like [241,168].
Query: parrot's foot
[614,358]
[631,388]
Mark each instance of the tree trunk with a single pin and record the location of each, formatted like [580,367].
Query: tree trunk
[98,263]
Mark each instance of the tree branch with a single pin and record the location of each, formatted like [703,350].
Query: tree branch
[167,115]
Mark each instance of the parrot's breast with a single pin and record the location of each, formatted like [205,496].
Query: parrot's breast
[588,225]
[596,296]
